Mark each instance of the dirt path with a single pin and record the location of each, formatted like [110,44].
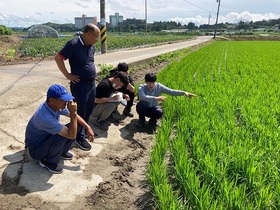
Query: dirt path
[121,164]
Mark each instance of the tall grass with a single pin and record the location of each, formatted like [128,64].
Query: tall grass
[224,150]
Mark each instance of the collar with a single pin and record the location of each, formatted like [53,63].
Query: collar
[46,105]
[81,40]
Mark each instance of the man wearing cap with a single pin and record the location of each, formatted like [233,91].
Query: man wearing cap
[80,54]
[46,138]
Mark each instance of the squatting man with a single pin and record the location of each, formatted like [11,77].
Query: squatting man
[46,138]
[149,96]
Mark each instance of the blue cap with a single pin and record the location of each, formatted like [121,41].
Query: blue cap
[58,91]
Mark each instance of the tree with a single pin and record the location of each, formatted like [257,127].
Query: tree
[5,31]
[191,26]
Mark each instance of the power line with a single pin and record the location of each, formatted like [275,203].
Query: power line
[197,6]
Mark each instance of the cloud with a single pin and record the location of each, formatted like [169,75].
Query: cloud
[247,16]
[232,17]
[160,4]
[38,13]
[83,6]
[12,20]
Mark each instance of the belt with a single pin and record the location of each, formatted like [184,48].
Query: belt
[87,79]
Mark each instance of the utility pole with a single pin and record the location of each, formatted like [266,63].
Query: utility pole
[103,27]
[209,17]
[146,19]
[217,18]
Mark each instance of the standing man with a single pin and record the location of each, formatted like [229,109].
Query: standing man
[129,90]
[149,95]
[46,138]
[80,53]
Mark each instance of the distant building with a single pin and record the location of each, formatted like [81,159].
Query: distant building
[181,30]
[81,22]
[115,20]
[275,28]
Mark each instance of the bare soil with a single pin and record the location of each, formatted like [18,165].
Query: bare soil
[122,166]
[12,42]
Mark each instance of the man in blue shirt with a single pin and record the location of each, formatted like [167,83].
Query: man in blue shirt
[46,138]
[149,95]
[80,54]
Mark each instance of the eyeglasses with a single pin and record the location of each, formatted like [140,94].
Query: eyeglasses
[96,37]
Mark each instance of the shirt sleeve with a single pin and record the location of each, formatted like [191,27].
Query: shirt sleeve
[169,91]
[143,96]
[130,80]
[48,124]
[66,51]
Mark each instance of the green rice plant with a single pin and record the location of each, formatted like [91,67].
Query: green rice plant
[224,143]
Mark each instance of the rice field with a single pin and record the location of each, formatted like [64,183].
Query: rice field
[220,150]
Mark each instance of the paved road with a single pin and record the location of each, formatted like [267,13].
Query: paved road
[22,88]
[145,53]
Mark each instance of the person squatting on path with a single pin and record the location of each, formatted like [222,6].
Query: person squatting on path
[80,53]
[46,138]
[105,102]
[123,67]
[149,95]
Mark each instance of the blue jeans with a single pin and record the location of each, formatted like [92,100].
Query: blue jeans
[143,111]
[84,93]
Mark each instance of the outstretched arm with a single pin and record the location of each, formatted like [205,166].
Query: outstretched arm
[189,94]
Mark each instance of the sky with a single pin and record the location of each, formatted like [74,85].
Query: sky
[25,13]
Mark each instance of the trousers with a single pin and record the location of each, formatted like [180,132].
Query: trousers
[51,149]
[84,93]
[153,113]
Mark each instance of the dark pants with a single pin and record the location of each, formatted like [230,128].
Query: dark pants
[131,97]
[84,93]
[51,149]
[153,113]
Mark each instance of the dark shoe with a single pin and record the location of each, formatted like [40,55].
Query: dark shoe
[83,144]
[66,156]
[140,124]
[54,168]
[153,123]
[127,112]
[114,118]
[103,125]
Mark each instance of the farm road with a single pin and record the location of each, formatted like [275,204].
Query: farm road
[23,87]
